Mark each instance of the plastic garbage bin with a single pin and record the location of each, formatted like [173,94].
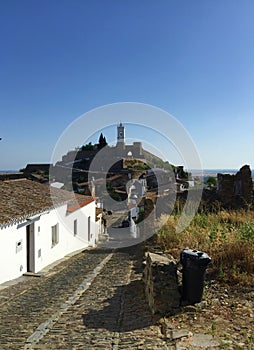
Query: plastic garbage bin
[194,264]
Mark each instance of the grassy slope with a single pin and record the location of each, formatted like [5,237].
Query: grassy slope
[227,237]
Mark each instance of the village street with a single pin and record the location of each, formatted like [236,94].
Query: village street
[93,300]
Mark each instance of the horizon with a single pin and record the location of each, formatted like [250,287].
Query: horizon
[212,170]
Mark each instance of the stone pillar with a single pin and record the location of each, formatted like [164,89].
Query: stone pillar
[226,188]
[161,283]
[244,178]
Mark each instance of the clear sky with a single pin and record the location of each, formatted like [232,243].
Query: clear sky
[62,58]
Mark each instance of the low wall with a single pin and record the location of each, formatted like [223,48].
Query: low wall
[161,283]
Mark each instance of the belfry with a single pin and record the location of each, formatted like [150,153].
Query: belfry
[120,133]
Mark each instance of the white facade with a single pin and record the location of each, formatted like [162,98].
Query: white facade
[29,246]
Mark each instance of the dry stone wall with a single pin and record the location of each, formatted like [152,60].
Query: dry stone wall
[161,283]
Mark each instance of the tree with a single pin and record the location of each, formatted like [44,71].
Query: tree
[181,173]
[102,141]
[211,182]
[88,147]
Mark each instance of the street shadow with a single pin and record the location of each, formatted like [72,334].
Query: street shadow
[128,309]
[98,251]
[112,317]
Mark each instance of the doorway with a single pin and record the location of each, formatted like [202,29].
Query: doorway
[89,228]
[30,248]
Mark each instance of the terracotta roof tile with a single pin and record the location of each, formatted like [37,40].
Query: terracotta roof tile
[20,199]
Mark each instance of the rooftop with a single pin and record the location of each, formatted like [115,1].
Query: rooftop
[22,198]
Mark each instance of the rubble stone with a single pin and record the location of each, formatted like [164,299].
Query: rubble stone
[236,190]
[204,341]
[161,283]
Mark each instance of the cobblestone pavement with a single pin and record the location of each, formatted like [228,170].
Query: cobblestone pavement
[27,304]
[110,313]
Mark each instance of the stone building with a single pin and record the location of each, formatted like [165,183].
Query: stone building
[120,150]
[126,151]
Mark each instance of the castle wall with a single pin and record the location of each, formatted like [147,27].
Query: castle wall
[236,190]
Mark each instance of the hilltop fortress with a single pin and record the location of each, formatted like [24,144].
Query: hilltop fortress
[119,151]
[101,158]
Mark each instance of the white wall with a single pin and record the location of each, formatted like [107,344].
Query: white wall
[67,241]
[14,264]
[134,211]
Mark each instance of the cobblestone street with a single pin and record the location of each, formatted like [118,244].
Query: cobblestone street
[93,300]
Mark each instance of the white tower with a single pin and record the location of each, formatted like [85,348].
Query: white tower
[120,133]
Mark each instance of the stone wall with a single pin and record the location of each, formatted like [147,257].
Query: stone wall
[12,176]
[161,283]
[148,207]
[236,190]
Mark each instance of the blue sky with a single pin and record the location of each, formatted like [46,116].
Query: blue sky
[61,58]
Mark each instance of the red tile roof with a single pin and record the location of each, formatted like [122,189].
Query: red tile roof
[21,199]
[78,203]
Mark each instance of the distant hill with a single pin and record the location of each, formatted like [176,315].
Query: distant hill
[8,171]
[214,172]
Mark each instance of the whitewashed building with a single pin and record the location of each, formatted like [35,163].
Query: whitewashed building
[40,225]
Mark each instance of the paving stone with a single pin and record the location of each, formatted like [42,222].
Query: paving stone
[35,300]
[204,341]
[181,333]
[111,314]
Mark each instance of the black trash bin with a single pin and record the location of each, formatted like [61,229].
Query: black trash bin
[194,264]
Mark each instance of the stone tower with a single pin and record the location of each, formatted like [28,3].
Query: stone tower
[120,133]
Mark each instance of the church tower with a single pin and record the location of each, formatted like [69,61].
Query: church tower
[120,133]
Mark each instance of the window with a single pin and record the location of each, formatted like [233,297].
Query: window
[55,234]
[75,227]
[19,246]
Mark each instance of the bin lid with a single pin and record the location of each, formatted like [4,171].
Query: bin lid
[195,255]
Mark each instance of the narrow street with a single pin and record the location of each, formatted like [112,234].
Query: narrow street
[93,300]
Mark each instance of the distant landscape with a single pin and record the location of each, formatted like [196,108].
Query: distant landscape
[206,172]
[214,172]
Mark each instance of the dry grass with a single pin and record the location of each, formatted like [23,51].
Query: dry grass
[227,237]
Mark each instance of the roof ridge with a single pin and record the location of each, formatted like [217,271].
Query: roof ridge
[12,180]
